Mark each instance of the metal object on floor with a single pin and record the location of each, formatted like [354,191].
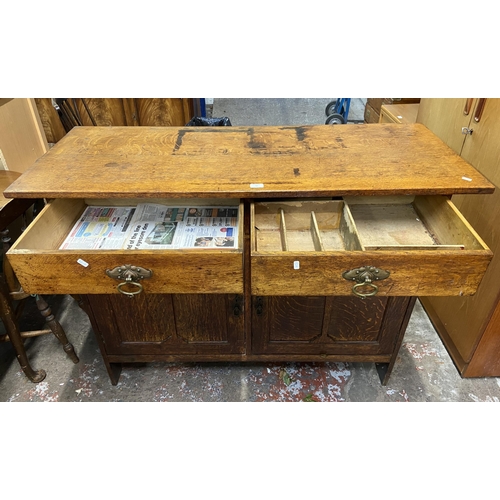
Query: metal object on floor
[337,111]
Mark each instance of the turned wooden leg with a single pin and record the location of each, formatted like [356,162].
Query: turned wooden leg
[56,328]
[11,326]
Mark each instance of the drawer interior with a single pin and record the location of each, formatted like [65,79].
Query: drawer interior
[51,227]
[322,225]
[362,223]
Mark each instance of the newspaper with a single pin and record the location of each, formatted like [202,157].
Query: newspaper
[100,228]
[153,226]
[164,227]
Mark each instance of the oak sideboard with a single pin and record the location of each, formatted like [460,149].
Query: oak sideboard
[339,229]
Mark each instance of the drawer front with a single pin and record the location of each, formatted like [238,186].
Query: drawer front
[387,246]
[172,272]
[411,274]
[42,267]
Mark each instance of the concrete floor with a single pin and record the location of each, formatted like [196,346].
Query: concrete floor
[423,372]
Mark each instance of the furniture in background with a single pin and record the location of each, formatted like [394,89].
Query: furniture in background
[22,142]
[398,113]
[310,278]
[106,112]
[374,106]
[470,326]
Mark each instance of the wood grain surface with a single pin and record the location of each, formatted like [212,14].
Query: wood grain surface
[163,324]
[327,325]
[413,273]
[22,138]
[175,272]
[398,113]
[105,112]
[445,117]
[249,162]
[52,126]
[467,323]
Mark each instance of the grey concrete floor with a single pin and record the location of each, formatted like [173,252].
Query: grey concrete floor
[289,111]
[424,372]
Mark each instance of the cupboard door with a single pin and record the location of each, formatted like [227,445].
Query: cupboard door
[326,325]
[446,118]
[157,324]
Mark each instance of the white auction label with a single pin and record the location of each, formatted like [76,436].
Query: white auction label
[83,263]
[296,264]
[257,185]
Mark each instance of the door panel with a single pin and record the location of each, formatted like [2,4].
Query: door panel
[326,325]
[445,118]
[157,324]
[354,320]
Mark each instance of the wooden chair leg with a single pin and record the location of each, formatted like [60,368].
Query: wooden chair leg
[12,329]
[56,328]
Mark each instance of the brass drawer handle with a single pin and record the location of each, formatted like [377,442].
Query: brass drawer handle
[364,277]
[130,294]
[132,275]
[364,295]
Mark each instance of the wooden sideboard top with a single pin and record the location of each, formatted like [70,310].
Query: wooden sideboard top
[248,162]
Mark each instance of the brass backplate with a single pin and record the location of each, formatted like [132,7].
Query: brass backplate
[128,272]
[365,274]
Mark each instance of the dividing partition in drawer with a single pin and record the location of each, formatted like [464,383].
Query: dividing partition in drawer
[42,267]
[365,245]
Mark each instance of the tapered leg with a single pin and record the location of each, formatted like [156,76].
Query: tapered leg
[56,328]
[385,369]
[9,320]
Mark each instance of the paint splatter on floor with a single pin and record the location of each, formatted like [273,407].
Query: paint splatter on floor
[40,392]
[421,351]
[84,384]
[486,399]
[399,395]
[299,382]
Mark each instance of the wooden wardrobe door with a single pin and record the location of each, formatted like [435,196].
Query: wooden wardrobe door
[445,118]
[465,318]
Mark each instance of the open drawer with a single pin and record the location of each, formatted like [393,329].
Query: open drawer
[408,246]
[42,267]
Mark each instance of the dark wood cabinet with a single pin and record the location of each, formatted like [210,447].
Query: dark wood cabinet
[169,324]
[320,326]
[210,327]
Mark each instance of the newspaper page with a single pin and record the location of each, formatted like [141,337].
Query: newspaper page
[100,228]
[165,227]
